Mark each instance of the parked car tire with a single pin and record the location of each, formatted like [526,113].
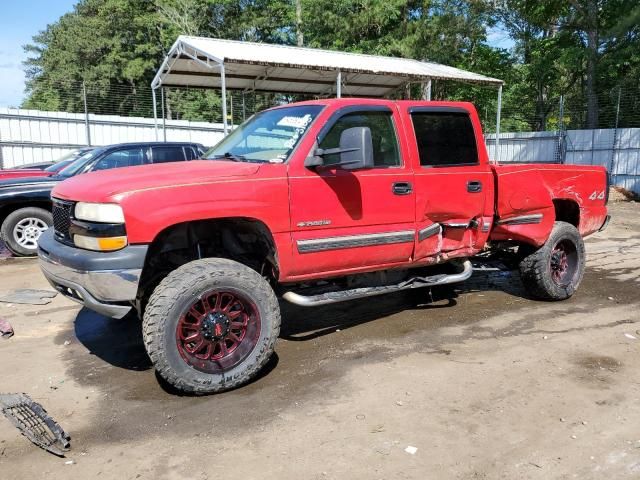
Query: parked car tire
[211,325]
[22,229]
[554,271]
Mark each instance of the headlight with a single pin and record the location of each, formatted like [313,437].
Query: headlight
[106,233]
[99,212]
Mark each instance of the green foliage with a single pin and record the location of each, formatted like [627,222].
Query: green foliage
[583,50]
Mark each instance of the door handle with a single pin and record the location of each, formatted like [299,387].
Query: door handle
[474,186]
[402,188]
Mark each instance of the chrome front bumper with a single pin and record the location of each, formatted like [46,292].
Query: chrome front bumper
[106,283]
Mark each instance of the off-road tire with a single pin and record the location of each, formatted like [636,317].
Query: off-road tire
[15,217]
[175,293]
[536,270]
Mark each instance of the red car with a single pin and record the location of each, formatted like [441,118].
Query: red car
[47,170]
[313,203]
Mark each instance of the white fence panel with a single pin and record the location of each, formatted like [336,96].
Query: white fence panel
[524,146]
[618,150]
[33,136]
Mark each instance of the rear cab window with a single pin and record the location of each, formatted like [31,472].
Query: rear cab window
[445,138]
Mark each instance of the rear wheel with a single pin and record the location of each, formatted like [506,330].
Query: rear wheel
[22,229]
[211,325]
[554,271]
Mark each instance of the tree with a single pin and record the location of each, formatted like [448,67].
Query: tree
[581,49]
[111,45]
[562,46]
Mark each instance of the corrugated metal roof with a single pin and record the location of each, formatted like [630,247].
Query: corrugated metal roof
[261,66]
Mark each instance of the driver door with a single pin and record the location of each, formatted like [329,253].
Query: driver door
[346,221]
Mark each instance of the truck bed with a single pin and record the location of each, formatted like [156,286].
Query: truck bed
[530,198]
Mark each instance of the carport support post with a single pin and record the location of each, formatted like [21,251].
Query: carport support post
[426,90]
[339,85]
[164,116]
[496,145]
[155,111]
[223,85]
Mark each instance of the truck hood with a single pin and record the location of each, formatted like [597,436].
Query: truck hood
[108,184]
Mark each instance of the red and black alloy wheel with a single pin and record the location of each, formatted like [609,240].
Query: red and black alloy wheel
[211,325]
[554,271]
[218,331]
[563,262]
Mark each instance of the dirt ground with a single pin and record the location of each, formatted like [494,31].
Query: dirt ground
[483,381]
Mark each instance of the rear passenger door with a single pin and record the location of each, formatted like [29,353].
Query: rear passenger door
[167,153]
[452,185]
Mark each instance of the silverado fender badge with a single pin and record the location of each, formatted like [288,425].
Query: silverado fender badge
[314,223]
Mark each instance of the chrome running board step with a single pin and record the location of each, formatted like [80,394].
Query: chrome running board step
[345,295]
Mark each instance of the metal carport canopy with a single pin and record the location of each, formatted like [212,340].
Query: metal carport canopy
[248,66]
[285,69]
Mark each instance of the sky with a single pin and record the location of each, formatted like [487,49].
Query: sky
[21,20]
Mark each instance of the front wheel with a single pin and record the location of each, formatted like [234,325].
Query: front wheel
[554,271]
[22,229]
[211,325]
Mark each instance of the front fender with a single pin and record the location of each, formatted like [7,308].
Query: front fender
[147,213]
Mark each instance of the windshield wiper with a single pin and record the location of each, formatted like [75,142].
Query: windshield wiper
[231,156]
[238,158]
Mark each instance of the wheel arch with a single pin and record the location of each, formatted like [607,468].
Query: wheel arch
[567,210]
[246,240]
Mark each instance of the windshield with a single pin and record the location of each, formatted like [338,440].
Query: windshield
[78,165]
[268,136]
[66,159]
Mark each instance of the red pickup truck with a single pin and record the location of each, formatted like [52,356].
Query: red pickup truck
[314,203]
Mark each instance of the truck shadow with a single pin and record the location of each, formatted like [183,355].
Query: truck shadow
[304,323]
[119,342]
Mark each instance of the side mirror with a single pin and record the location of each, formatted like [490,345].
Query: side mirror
[355,150]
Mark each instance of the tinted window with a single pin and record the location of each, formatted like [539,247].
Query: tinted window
[120,158]
[445,138]
[191,153]
[383,135]
[173,153]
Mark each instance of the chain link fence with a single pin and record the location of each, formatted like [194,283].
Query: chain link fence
[548,130]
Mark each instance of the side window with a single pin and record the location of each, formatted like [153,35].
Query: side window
[173,153]
[120,158]
[190,152]
[385,142]
[445,138]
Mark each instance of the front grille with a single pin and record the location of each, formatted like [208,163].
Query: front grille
[62,220]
